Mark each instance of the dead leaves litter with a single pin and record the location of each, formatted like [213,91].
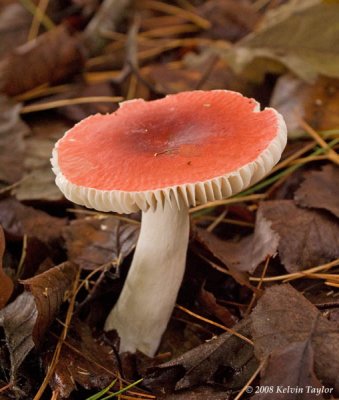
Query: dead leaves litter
[6,287]
[26,320]
[294,336]
[95,241]
[320,190]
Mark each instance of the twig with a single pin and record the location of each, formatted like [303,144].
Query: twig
[294,156]
[41,91]
[332,155]
[67,102]
[255,373]
[173,10]
[232,200]
[224,220]
[32,8]
[217,221]
[225,328]
[6,387]
[287,171]
[167,31]
[297,275]
[255,294]
[62,338]
[37,19]
[22,257]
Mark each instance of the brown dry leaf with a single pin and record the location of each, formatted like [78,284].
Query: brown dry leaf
[207,363]
[52,57]
[15,22]
[289,330]
[39,180]
[26,320]
[320,190]
[290,367]
[205,71]
[303,238]
[18,219]
[316,103]
[6,287]
[246,254]
[93,241]
[305,53]
[306,237]
[12,132]
[210,304]
[49,290]
[230,19]
[18,319]
[199,393]
[83,360]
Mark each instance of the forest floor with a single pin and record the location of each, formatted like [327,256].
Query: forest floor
[258,311]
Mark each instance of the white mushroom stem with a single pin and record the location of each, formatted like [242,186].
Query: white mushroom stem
[148,297]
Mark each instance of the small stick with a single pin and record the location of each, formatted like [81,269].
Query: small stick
[233,200]
[173,10]
[297,275]
[37,19]
[67,102]
[332,155]
[254,296]
[256,372]
[62,338]
[225,328]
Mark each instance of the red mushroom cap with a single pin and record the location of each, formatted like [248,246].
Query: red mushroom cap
[184,144]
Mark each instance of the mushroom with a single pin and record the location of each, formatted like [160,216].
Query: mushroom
[161,157]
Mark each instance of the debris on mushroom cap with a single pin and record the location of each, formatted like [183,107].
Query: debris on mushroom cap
[200,145]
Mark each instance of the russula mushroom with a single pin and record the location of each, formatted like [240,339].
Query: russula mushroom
[161,157]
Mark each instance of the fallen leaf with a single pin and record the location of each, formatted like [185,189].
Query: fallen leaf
[307,238]
[22,69]
[306,54]
[218,360]
[316,103]
[6,287]
[15,22]
[290,367]
[12,132]
[205,71]
[303,238]
[27,318]
[320,190]
[49,290]
[18,219]
[83,360]
[93,241]
[199,393]
[291,331]
[230,19]
[38,181]
[18,319]
[210,304]
[246,254]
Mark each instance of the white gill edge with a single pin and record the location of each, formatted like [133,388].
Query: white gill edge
[192,193]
